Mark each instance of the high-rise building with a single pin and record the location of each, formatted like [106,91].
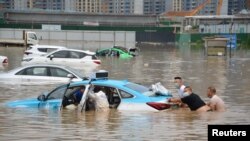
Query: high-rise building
[88,6]
[138,7]
[154,6]
[124,7]
[248,4]
[169,5]
[6,4]
[177,5]
[70,5]
[235,6]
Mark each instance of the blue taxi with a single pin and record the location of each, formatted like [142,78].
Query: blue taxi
[121,95]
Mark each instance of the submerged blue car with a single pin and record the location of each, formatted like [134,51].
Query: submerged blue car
[121,94]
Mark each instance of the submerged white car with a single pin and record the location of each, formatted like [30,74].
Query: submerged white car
[38,50]
[80,59]
[41,74]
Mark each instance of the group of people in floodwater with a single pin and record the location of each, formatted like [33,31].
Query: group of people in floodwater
[186,98]
[189,99]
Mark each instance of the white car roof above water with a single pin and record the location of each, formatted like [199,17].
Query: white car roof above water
[77,50]
[40,74]
[48,46]
[39,65]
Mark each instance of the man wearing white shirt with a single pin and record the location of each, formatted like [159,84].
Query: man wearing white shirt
[100,99]
[180,86]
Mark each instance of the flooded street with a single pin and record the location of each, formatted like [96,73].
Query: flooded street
[230,76]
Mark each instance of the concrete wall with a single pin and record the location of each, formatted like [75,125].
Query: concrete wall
[71,18]
[77,39]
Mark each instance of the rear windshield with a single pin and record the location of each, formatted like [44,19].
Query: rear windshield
[140,88]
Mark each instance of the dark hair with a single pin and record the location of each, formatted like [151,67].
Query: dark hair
[177,77]
[97,89]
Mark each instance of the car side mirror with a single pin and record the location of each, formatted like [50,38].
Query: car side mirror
[51,57]
[71,76]
[41,97]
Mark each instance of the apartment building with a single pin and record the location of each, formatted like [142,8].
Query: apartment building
[126,7]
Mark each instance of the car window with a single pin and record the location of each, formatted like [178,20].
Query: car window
[74,54]
[114,53]
[71,90]
[42,49]
[33,36]
[51,49]
[103,52]
[57,72]
[57,93]
[39,71]
[139,88]
[125,94]
[61,54]
[76,72]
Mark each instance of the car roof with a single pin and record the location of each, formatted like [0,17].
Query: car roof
[48,46]
[78,50]
[104,82]
[49,65]
[37,65]
[112,48]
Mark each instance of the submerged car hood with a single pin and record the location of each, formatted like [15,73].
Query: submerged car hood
[21,103]
[30,103]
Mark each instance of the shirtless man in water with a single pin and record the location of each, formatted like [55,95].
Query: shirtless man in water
[215,103]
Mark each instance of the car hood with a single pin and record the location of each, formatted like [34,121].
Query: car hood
[32,103]
[21,103]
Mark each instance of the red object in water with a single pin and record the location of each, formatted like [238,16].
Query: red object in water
[159,106]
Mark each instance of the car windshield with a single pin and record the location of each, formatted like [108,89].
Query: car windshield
[140,88]
[76,72]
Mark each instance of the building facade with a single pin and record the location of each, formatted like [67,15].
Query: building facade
[177,5]
[235,6]
[127,7]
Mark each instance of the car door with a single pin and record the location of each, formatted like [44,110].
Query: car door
[58,57]
[34,75]
[69,98]
[75,58]
[54,98]
[59,74]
